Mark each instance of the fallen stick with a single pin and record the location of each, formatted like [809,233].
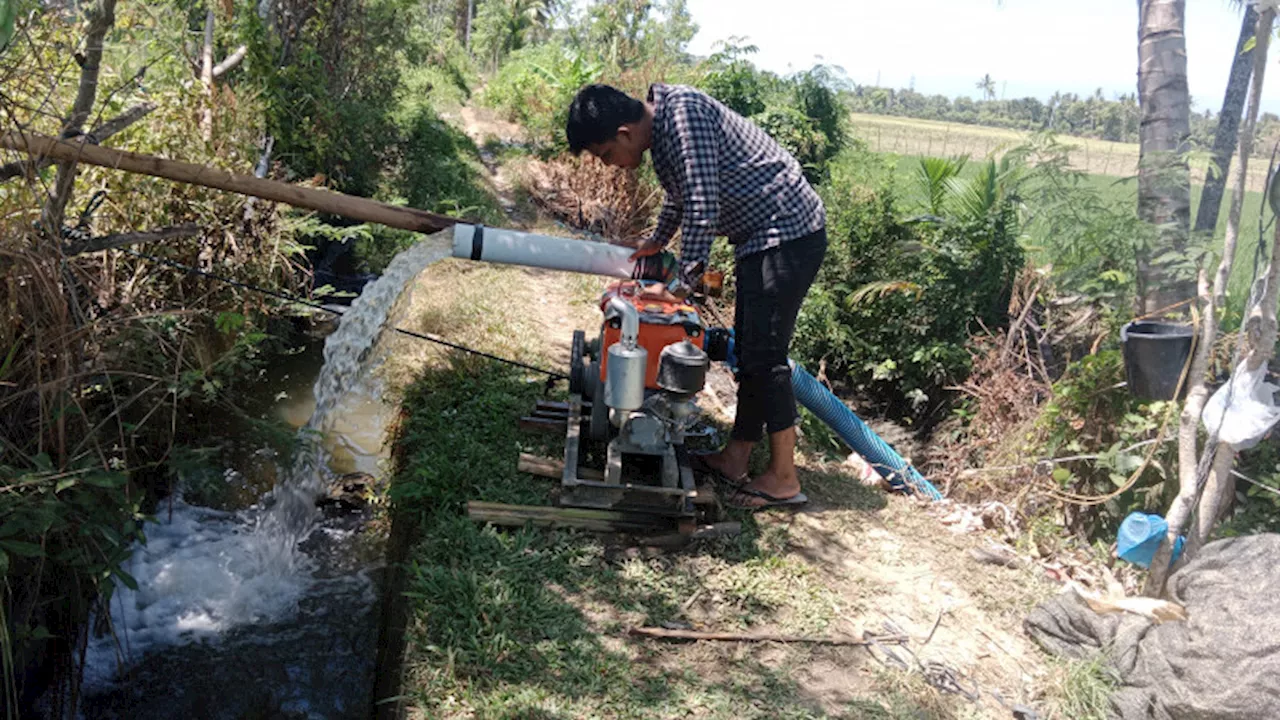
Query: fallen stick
[665,634]
[108,242]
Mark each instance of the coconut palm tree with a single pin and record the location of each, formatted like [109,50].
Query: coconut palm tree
[1164,179]
[1224,139]
[1215,493]
[987,86]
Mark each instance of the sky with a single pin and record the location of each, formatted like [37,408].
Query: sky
[1029,47]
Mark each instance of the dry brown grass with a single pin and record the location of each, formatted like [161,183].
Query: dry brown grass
[588,195]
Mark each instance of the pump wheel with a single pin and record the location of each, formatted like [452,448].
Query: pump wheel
[578,364]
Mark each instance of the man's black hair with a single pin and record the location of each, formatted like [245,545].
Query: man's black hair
[596,114]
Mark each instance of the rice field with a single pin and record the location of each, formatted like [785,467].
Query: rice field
[909,136]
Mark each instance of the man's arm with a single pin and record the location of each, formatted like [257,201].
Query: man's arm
[699,148]
[668,222]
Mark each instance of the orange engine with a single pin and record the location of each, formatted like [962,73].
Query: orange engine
[661,324]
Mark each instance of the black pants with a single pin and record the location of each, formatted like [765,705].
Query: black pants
[770,287]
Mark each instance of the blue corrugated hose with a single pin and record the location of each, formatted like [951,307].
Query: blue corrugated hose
[818,399]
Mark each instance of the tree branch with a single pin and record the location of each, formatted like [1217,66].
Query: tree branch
[101,133]
[108,242]
[231,61]
[101,19]
[206,77]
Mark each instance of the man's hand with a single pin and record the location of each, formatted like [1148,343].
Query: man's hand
[646,248]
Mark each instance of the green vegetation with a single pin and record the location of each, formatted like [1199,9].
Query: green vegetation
[897,297]
[119,376]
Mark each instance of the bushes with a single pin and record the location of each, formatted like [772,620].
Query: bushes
[331,91]
[803,113]
[892,308]
[534,88]
[1093,417]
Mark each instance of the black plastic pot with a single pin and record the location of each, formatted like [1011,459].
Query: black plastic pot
[1154,355]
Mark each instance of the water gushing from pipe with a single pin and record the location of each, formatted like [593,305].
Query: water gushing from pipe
[204,572]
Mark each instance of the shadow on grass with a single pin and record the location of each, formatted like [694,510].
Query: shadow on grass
[529,623]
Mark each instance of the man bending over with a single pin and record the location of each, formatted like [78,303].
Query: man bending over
[725,176]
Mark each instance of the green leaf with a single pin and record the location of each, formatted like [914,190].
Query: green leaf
[64,483]
[106,480]
[1128,463]
[22,549]
[125,578]
[1249,45]
[42,461]
[1061,474]
[229,322]
[1119,479]
[8,14]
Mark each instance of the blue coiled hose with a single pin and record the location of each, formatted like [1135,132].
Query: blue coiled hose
[818,399]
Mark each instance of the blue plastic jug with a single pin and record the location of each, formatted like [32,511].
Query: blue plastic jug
[1139,538]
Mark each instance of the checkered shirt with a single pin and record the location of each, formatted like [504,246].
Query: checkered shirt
[724,176]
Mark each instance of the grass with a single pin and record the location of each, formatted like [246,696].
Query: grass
[1083,689]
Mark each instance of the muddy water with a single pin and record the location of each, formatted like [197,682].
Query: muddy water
[267,610]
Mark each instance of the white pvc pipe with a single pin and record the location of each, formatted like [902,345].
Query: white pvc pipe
[512,247]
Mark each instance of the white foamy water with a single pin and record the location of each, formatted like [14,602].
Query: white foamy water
[203,572]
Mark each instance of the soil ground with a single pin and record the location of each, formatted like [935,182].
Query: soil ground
[854,562]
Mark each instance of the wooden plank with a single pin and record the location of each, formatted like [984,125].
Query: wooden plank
[540,516]
[563,407]
[350,206]
[100,132]
[552,468]
[655,489]
[572,441]
[542,425]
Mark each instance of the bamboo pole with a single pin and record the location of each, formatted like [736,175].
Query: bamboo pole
[540,516]
[350,206]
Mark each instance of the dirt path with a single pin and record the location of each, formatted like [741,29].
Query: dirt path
[855,561]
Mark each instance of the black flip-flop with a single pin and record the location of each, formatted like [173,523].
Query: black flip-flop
[770,501]
[698,463]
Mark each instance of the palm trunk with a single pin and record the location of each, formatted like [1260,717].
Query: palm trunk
[1164,181]
[1224,140]
[1216,490]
